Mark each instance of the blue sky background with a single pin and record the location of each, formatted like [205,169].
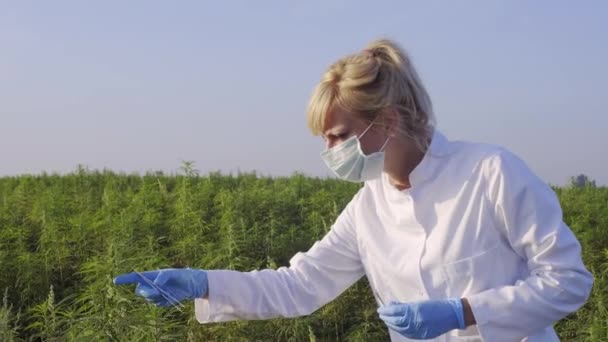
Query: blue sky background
[141,85]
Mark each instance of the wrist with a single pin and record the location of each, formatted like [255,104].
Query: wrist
[201,284]
[458,307]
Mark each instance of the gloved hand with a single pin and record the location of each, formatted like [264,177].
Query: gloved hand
[423,320]
[167,287]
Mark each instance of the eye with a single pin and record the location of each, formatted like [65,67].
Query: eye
[335,136]
[342,135]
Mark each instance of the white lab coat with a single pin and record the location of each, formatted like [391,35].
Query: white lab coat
[476,223]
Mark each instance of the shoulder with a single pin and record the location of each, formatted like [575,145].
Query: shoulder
[476,151]
[491,159]
[370,196]
[504,173]
[467,161]
[357,201]
[493,165]
[503,164]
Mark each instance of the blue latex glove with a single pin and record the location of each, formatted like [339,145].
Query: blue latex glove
[167,287]
[423,320]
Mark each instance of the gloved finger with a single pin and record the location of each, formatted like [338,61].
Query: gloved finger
[134,277]
[166,302]
[127,278]
[148,292]
[394,320]
[393,309]
[405,331]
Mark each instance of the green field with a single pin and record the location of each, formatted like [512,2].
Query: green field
[63,238]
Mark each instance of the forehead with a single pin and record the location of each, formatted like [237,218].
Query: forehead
[337,119]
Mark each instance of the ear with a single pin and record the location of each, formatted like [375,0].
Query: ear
[391,121]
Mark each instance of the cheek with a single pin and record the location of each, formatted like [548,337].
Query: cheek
[372,144]
[332,142]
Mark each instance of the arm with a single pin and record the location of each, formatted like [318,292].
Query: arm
[528,212]
[313,279]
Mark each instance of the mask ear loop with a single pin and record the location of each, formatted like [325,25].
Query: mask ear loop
[370,126]
[385,143]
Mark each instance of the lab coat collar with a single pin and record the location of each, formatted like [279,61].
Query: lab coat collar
[439,145]
[438,149]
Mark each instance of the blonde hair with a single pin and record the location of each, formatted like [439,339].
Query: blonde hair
[364,84]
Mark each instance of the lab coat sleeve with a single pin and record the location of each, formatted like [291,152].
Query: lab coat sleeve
[529,215]
[312,279]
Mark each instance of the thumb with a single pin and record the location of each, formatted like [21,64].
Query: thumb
[393,309]
[147,291]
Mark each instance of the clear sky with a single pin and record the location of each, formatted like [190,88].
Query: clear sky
[142,85]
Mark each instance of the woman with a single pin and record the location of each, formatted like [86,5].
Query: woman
[459,241]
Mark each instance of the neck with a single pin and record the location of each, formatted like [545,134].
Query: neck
[406,159]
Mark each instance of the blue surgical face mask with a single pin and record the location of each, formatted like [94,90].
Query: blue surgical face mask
[349,163]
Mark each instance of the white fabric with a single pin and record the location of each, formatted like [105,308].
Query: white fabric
[476,223]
